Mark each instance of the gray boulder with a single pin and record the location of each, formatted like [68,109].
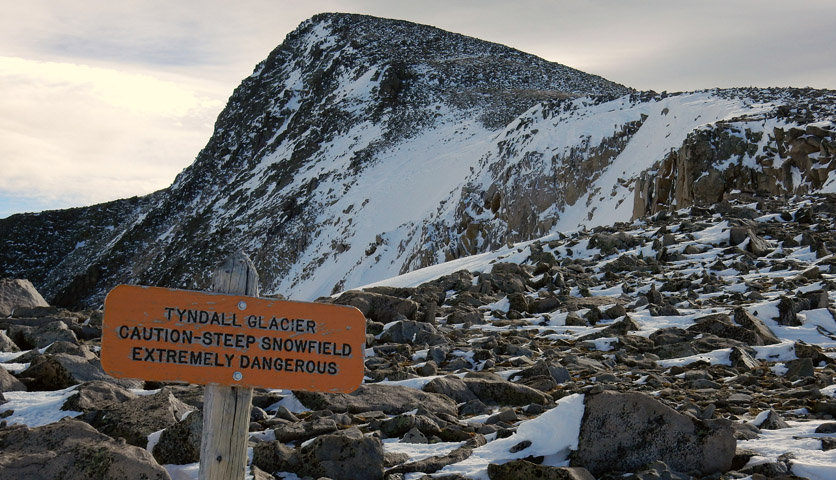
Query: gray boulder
[179,444]
[135,419]
[304,430]
[437,462]
[15,292]
[720,324]
[414,436]
[648,431]
[555,371]
[48,333]
[451,386]
[503,392]
[772,421]
[412,332]
[275,457]
[524,470]
[71,449]
[379,307]
[348,455]
[8,382]
[55,372]
[753,323]
[400,425]
[96,395]
[7,344]
[391,399]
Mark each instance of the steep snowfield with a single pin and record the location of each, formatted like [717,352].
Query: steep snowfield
[404,182]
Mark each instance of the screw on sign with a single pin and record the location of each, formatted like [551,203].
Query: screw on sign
[231,343]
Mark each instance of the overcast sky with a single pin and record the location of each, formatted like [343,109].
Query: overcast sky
[103,99]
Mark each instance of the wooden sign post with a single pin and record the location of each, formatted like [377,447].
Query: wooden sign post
[231,341]
[226,409]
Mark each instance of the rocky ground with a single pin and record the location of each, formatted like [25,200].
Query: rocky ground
[692,344]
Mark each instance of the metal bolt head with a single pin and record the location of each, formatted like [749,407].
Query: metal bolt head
[242,305]
[237,376]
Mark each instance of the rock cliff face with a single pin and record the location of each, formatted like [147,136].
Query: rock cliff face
[570,164]
[795,157]
[361,148]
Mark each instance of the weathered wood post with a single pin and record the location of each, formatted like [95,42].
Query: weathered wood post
[226,410]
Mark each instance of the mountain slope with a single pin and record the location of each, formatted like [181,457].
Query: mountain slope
[364,147]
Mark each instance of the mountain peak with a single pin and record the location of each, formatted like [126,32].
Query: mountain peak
[363,147]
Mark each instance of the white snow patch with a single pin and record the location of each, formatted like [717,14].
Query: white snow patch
[35,409]
[553,435]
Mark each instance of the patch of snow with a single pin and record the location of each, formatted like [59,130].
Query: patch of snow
[35,409]
[553,435]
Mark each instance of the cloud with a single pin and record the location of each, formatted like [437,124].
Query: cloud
[85,135]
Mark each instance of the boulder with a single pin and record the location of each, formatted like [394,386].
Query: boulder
[650,431]
[379,307]
[412,332]
[391,399]
[8,382]
[179,444]
[618,328]
[44,335]
[15,292]
[414,436]
[304,430]
[275,456]
[524,470]
[7,344]
[503,392]
[720,324]
[555,372]
[137,418]
[96,395]
[55,372]
[772,421]
[742,360]
[757,245]
[400,425]
[71,449]
[800,367]
[451,386]
[348,455]
[753,323]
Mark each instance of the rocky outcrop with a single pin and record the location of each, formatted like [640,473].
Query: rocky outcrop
[386,398]
[735,156]
[71,449]
[15,293]
[137,418]
[647,431]
[349,454]
[180,443]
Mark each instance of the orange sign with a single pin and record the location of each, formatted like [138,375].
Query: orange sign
[179,335]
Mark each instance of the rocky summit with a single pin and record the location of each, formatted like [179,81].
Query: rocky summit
[561,277]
